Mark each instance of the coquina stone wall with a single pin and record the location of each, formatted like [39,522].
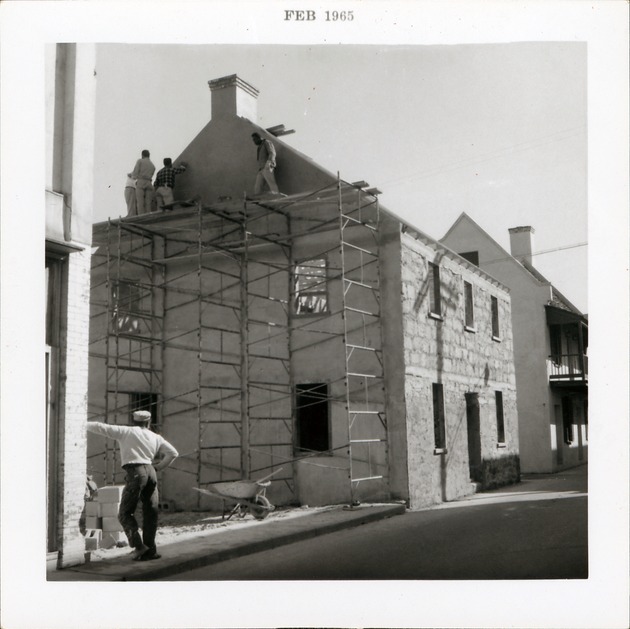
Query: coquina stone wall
[441,350]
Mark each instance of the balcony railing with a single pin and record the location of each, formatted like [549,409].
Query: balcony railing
[568,368]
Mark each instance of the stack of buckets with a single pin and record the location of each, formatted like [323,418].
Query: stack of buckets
[103,530]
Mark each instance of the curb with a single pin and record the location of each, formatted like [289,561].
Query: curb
[200,556]
[248,548]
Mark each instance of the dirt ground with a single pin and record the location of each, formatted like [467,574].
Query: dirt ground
[174,527]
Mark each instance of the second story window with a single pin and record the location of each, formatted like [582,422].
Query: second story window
[496,332]
[435,301]
[311,290]
[126,305]
[469,312]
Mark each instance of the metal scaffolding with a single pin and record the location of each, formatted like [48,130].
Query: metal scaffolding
[202,309]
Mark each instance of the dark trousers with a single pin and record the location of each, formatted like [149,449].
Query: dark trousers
[140,486]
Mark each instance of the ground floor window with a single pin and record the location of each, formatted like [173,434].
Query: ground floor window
[312,415]
[439,427]
[498,396]
[143,402]
[567,419]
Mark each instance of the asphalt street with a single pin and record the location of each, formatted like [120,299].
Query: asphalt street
[534,530]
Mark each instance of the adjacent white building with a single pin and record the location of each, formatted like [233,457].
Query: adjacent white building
[550,349]
[70,99]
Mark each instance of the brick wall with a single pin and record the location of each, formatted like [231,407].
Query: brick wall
[73,377]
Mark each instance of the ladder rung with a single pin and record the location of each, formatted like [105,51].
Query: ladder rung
[349,244]
[365,312]
[367,349]
[357,480]
[358,412]
[367,440]
[356,220]
[362,284]
[364,375]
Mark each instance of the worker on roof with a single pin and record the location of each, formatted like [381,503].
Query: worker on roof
[266,156]
[142,453]
[165,182]
[130,195]
[143,173]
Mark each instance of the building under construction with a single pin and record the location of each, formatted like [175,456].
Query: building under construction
[314,336]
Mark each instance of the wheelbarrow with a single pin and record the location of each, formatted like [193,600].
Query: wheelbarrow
[249,495]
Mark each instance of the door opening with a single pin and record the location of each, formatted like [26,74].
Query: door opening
[474,436]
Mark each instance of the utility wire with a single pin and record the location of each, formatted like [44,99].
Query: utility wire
[540,253]
[521,146]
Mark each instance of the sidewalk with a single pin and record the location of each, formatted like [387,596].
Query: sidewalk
[205,550]
[229,543]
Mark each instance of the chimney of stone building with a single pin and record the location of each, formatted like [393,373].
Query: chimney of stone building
[231,96]
[522,243]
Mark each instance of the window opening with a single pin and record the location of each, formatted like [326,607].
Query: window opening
[434,289]
[439,428]
[313,426]
[127,303]
[311,290]
[471,256]
[494,302]
[567,419]
[468,305]
[498,396]
[143,402]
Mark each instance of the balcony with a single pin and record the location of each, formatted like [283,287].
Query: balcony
[567,369]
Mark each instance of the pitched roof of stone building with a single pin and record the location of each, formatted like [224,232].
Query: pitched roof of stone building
[557,300]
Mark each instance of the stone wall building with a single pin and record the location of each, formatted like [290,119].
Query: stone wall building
[312,335]
[70,95]
[550,349]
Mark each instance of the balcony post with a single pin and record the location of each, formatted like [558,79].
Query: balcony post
[581,349]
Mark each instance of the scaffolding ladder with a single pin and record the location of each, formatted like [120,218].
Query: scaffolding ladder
[362,338]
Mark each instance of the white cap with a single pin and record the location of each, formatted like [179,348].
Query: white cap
[141,416]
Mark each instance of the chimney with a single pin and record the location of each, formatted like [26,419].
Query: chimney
[232,96]
[522,243]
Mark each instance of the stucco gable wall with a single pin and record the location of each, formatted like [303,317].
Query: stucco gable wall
[222,162]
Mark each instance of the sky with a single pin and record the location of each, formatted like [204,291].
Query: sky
[498,131]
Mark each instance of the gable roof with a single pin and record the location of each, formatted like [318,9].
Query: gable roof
[557,299]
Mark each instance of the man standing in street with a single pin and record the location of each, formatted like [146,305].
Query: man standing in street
[165,182]
[130,195]
[266,156]
[140,448]
[143,173]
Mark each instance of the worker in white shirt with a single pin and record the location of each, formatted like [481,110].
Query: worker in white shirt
[143,173]
[130,195]
[142,453]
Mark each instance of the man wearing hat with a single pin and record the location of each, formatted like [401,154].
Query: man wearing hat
[266,158]
[139,447]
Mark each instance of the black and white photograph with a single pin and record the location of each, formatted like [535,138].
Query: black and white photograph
[302,334]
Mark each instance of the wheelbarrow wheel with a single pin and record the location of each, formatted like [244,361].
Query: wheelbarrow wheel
[262,511]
